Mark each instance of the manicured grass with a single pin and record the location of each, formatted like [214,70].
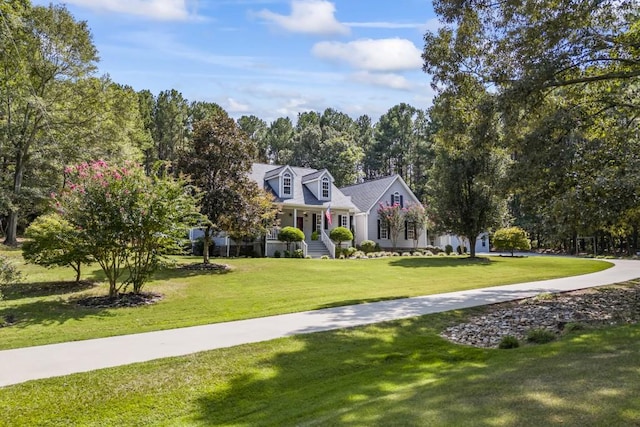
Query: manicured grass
[255,288]
[398,373]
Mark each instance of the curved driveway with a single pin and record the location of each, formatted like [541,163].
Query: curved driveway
[23,364]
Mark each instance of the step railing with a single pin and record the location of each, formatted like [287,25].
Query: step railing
[329,244]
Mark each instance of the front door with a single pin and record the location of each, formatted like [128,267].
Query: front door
[300,223]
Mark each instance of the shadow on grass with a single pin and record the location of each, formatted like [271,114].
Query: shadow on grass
[402,373]
[17,291]
[46,313]
[440,262]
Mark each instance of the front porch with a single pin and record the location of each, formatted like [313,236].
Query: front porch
[315,225]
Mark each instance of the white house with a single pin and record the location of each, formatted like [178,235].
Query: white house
[309,200]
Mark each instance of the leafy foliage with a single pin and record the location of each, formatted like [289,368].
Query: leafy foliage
[218,162]
[393,216]
[53,241]
[8,273]
[125,220]
[290,235]
[511,239]
[341,234]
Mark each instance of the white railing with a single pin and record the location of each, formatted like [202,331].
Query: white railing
[329,244]
[304,248]
[273,233]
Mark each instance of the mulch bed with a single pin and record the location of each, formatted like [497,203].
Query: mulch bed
[122,300]
[213,267]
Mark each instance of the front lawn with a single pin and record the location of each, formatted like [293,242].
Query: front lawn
[45,312]
[397,373]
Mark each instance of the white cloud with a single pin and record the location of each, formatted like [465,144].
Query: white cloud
[384,25]
[162,10]
[390,80]
[234,106]
[307,16]
[374,55]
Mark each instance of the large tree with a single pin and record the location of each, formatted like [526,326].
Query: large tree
[218,161]
[45,55]
[464,191]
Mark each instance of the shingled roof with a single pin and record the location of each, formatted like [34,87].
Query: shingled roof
[365,195]
[301,194]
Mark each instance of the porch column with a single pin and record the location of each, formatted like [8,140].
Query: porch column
[295,217]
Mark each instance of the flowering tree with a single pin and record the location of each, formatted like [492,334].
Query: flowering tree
[417,218]
[125,220]
[393,216]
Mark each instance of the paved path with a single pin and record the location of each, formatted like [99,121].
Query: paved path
[23,364]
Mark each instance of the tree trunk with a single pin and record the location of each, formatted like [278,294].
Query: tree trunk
[77,269]
[472,246]
[207,242]
[12,229]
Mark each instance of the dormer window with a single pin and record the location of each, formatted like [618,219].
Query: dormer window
[286,184]
[325,188]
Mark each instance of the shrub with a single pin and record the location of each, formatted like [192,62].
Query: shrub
[406,253]
[276,254]
[287,254]
[417,253]
[315,235]
[574,326]
[511,239]
[8,273]
[298,253]
[540,336]
[368,246]
[509,341]
[349,251]
[461,249]
[309,257]
[340,234]
[448,249]
[377,248]
[324,257]
[428,253]
[442,254]
[289,235]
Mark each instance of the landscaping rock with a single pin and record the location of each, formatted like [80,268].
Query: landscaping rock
[607,306]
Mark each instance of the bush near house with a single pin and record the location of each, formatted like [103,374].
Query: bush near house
[341,234]
[290,235]
[368,246]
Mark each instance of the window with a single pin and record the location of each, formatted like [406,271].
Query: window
[286,184]
[343,221]
[396,198]
[411,231]
[384,230]
[325,188]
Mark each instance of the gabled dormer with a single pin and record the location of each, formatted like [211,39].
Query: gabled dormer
[282,181]
[319,183]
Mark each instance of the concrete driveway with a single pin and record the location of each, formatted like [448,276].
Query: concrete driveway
[23,364]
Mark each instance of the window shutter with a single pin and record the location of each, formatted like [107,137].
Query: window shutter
[326,223]
[314,222]
[401,201]
[378,229]
[392,199]
[339,220]
[406,231]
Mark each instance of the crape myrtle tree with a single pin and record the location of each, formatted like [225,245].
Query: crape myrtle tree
[393,217]
[125,220]
[218,161]
[415,216]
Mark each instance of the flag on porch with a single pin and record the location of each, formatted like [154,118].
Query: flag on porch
[328,214]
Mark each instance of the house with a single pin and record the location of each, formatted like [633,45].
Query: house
[309,200]
[368,197]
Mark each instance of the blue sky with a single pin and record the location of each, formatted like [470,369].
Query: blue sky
[269,58]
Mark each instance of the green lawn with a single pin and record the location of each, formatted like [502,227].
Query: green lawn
[255,288]
[397,373]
